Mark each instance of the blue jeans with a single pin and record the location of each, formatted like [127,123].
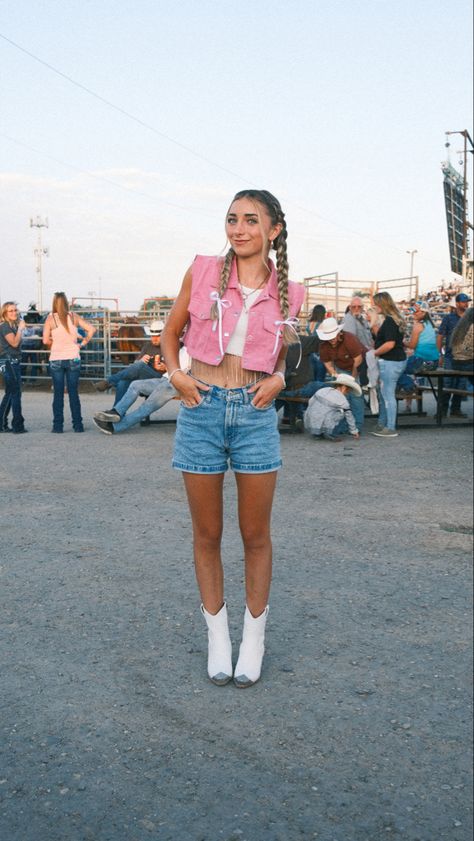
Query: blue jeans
[306,390]
[12,397]
[66,371]
[356,404]
[413,365]
[159,393]
[226,427]
[390,372]
[136,371]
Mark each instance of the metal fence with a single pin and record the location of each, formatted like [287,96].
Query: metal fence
[116,343]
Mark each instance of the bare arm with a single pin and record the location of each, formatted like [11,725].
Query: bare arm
[330,368]
[14,339]
[355,364]
[415,335]
[87,326]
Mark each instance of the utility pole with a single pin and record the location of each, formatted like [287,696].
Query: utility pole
[39,253]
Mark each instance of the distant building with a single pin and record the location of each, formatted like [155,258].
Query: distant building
[157,307]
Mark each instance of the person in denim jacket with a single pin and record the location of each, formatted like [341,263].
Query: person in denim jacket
[61,333]
[11,331]
[239,314]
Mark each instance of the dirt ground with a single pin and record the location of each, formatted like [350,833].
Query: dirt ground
[359,729]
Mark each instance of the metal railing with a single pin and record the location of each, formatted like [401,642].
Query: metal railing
[116,343]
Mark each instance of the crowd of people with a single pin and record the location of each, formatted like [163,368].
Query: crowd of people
[384,347]
[234,352]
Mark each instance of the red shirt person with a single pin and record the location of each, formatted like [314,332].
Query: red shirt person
[339,350]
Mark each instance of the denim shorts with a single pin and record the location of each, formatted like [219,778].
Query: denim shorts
[226,428]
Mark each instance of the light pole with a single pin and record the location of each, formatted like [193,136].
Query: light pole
[412,260]
[39,252]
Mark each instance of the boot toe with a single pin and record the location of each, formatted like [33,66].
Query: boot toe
[220,679]
[242,681]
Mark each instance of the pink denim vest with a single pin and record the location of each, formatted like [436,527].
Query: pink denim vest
[206,339]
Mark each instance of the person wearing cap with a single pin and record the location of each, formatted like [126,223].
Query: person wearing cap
[458,307]
[149,365]
[329,413]
[425,350]
[342,353]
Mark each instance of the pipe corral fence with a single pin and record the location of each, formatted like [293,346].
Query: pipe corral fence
[335,293]
[117,342]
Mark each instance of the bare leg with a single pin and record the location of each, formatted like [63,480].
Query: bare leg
[206,506]
[255,495]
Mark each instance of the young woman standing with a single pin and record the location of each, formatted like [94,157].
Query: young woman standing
[239,312]
[391,357]
[11,330]
[61,333]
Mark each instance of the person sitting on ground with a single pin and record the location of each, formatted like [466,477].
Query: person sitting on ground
[343,353]
[425,350]
[158,393]
[329,414]
[149,365]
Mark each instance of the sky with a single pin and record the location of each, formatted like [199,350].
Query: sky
[130,126]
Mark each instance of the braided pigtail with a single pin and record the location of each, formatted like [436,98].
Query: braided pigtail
[279,244]
[225,274]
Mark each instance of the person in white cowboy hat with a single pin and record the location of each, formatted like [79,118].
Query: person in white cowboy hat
[342,353]
[148,365]
[329,414]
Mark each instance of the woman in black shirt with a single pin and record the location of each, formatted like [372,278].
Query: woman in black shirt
[391,356]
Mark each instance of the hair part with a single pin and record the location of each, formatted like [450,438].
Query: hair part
[277,217]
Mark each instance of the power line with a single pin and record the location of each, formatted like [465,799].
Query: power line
[118,108]
[106,180]
[178,143]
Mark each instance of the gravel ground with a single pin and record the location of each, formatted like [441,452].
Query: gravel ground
[359,729]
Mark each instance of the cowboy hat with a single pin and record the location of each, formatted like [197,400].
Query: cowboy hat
[350,382]
[155,328]
[328,329]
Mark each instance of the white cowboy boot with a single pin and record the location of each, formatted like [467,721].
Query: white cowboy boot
[219,661]
[249,664]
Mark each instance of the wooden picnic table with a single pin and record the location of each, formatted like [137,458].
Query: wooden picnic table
[438,391]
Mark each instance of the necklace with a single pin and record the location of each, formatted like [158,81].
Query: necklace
[247,295]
